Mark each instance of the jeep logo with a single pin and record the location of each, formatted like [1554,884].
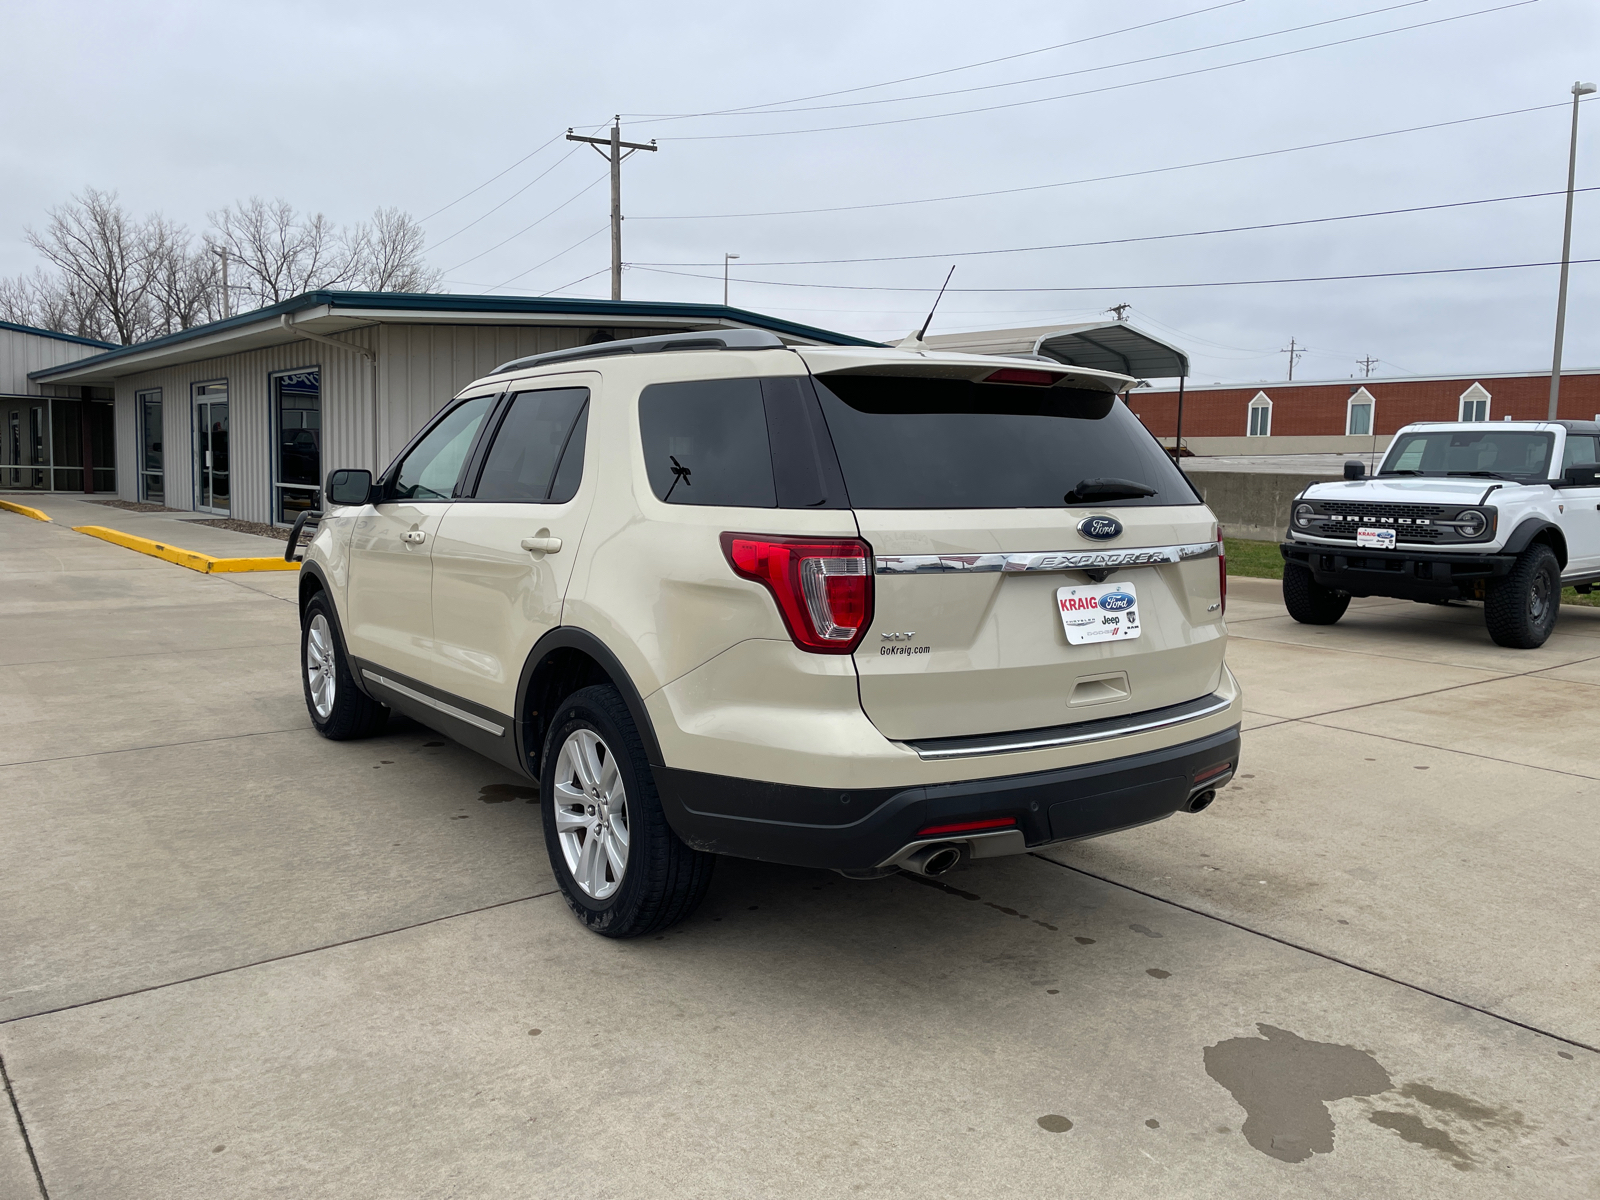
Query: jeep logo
[1100,528]
[1116,602]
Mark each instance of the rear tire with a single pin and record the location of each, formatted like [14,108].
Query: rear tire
[1521,607]
[339,710]
[621,869]
[1308,601]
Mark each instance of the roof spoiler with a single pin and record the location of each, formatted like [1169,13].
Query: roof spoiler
[724,339]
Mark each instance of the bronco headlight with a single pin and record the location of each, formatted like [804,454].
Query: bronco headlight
[1303,514]
[1470,523]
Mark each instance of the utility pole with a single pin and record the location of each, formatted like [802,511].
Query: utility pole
[1579,90]
[1120,311]
[223,250]
[1366,364]
[616,146]
[726,259]
[1294,355]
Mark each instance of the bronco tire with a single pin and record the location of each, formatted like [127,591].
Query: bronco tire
[339,710]
[620,867]
[1308,601]
[1521,607]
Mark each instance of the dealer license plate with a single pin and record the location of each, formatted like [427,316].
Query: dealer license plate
[1099,612]
[1375,539]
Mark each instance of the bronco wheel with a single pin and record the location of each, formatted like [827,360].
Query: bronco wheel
[338,709]
[1521,607]
[620,867]
[1307,600]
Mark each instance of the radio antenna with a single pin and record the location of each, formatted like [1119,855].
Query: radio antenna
[936,300]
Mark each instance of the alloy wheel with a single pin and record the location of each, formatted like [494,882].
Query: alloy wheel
[591,814]
[321,675]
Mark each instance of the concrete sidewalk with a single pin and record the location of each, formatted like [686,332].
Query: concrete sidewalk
[175,529]
[238,960]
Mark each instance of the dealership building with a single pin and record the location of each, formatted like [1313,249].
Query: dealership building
[243,417]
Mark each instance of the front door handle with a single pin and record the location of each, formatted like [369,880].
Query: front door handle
[549,545]
[414,536]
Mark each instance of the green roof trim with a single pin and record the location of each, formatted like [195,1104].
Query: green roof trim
[400,303]
[60,337]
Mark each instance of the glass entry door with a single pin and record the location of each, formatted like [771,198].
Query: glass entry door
[211,447]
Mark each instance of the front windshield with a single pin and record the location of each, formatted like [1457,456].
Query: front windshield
[1491,453]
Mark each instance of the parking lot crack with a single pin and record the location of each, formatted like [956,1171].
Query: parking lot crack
[22,1127]
[1323,954]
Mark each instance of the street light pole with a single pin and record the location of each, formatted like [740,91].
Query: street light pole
[1579,90]
[725,260]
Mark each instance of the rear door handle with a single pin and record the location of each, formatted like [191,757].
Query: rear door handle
[549,545]
[414,536]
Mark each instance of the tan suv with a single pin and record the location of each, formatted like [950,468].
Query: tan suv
[865,609]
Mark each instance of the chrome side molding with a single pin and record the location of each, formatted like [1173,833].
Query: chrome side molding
[449,710]
[1072,735]
[1040,561]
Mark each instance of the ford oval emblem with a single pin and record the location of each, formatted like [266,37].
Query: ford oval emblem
[1101,529]
[1116,601]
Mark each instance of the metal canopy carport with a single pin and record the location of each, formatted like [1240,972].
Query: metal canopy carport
[1102,345]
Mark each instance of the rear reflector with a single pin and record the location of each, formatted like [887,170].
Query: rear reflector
[967,826]
[823,588]
[1212,772]
[1021,375]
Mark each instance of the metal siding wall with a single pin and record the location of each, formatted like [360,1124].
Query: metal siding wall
[21,353]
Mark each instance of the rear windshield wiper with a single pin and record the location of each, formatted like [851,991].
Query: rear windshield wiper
[1107,489]
[1484,475]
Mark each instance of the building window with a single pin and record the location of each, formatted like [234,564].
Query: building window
[1474,404]
[1358,414]
[297,425]
[1261,416]
[152,460]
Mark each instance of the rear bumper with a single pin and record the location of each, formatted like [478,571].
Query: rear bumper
[866,828]
[1402,574]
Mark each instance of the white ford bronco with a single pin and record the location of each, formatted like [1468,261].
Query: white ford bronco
[863,609]
[1503,512]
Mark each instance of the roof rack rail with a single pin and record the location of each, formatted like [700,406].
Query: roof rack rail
[720,339]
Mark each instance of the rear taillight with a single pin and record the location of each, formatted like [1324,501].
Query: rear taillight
[823,588]
[1021,375]
[1222,572]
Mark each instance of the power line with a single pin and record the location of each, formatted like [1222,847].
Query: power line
[1110,87]
[488,181]
[575,282]
[1137,287]
[586,188]
[1131,62]
[664,117]
[1038,187]
[508,199]
[1155,237]
[553,257]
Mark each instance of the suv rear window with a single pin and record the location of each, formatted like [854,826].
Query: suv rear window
[908,442]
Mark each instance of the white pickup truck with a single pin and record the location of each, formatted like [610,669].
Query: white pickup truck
[1504,512]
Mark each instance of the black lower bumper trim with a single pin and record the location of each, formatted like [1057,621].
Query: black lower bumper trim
[1402,574]
[858,829]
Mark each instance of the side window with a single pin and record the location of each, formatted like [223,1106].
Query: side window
[529,446]
[706,443]
[430,471]
[1580,452]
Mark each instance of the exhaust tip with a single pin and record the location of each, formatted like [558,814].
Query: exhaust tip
[932,860]
[1201,801]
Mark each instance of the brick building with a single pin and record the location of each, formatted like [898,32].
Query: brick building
[1361,407]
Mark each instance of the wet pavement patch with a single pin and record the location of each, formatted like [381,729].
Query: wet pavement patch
[1158,973]
[1052,1123]
[1418,1132]
[1285,1082]
[500,793]
[1144,929]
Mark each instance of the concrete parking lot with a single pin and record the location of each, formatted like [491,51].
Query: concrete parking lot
[237,960]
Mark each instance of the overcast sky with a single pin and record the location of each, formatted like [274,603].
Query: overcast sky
[184,108]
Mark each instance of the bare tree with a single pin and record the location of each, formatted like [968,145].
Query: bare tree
[52,302]
[102,252]
[279,253]
[185,283]
[386,255]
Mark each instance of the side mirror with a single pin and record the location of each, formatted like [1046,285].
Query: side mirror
[1355,470]
[347,487]
[1579,477]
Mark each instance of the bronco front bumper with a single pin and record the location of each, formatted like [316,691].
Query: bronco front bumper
[1402,574]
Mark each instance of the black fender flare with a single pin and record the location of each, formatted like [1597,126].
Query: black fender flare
[1530,528]
[312,571]
[530,726]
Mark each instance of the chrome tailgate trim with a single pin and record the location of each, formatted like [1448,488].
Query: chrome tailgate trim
[1071,735]
[1040,561]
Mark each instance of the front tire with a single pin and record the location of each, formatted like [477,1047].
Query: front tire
[621,869]
[1521,607]
[339,710]
[1308,601]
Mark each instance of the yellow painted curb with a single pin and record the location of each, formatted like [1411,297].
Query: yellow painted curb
[206,564]
[24,510]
